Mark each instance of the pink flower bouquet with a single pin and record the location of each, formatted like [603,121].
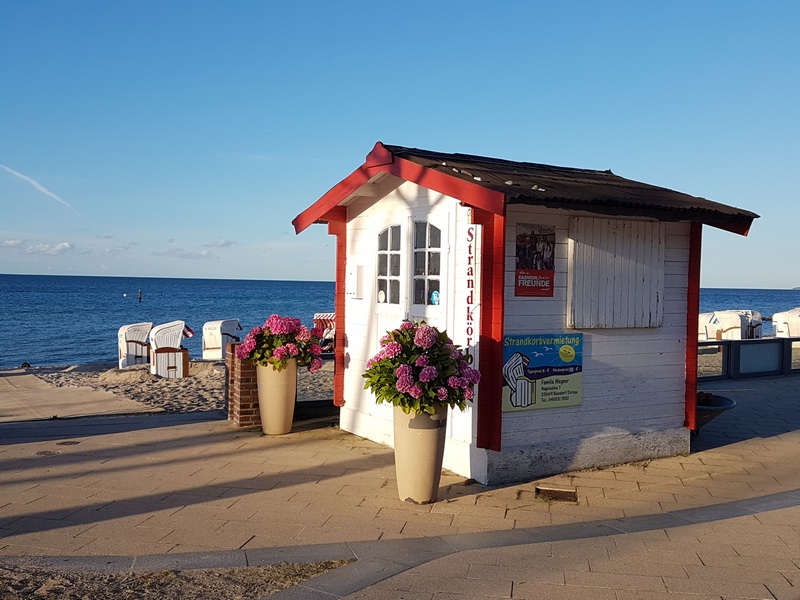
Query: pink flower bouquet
[419,366]
[280,339]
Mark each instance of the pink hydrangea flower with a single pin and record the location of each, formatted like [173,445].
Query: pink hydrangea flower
[404,384]
[392,349]
[425,336]
[316,365]
[407,325]
[404,371]
[428,374]
[422,361]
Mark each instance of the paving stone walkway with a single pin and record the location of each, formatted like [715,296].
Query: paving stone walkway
[170,491]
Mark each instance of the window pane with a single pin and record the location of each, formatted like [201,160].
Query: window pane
[419,263]
[433,263]
[383,240]
[382,265]
[419,291]
[420,234]
[394,291]
[395,237]
[381,291]
[394,261]
[435,240]
[433,291]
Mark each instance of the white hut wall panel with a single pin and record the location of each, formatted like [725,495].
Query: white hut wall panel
[633,378]
[368,320]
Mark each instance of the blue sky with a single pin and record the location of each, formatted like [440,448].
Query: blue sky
[180,139]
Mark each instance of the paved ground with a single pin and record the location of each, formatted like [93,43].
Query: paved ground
[155,491]
[24,396]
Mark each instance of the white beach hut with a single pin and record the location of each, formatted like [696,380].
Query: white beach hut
[575,292]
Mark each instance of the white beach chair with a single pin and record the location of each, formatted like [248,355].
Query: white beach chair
[132,344]
[216,335]
[707,327]
[168,359]
[787,324]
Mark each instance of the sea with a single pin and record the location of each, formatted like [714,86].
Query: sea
[49,320]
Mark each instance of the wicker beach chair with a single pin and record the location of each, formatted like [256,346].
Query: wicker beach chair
[132,344]
[217,335]
[787,324]
[327,323]
[168,359]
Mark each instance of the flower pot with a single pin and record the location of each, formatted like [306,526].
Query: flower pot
[709,408]
[418,453]
[277,391]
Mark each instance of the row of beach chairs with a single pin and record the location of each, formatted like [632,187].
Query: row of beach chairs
[160,346]
[745,324]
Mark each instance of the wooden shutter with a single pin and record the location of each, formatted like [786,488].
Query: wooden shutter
[617,273]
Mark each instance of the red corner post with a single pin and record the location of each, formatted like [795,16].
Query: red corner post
[337,225]
[490,388]
[692,315]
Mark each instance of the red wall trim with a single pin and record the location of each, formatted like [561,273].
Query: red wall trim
[490,388]
[338,226]
[692,314]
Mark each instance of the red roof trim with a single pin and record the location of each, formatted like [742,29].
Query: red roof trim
[381,160]
[468,193]
[319,210]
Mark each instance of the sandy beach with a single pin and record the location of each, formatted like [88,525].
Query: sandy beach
[202,390]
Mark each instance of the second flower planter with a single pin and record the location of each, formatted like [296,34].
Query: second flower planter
[277,391]
[418,453]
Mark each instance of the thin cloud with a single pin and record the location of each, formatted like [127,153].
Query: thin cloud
[117,250]
[220,244]
[49,249]
[11,243]
[187,254]
[39,187]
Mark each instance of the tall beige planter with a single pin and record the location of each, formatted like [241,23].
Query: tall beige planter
[277,391]
[418,453]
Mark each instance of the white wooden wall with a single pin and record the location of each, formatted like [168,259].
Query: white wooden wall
[633,378]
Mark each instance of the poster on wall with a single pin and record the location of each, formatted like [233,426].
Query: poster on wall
[535,258]
[542,371]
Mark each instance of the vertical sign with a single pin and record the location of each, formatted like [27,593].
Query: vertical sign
[542,371]
[535,257]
